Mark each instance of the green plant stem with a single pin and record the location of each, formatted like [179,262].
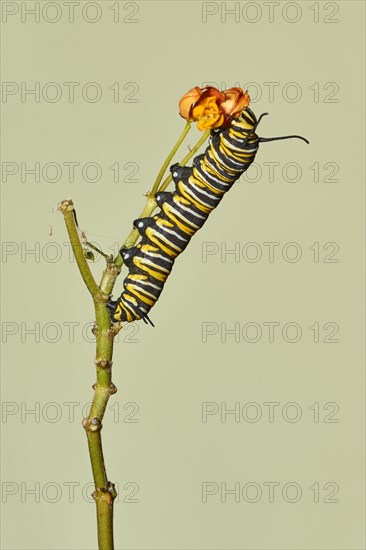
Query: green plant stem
[161,173]
[67,208]
[105,493]
[184,161]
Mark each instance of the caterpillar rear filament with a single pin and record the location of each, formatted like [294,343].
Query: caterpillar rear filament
[198,190]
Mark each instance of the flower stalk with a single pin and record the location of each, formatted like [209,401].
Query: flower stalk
[184,161]
[167,162]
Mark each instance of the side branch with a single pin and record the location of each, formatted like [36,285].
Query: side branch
[67,208]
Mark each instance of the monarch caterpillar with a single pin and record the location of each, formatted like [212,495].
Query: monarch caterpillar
[198,190]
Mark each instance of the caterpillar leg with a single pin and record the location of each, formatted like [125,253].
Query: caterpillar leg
[111,306]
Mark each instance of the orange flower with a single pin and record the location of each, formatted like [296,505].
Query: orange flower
[235,101]
[211,108]
[201,105]
[208,114]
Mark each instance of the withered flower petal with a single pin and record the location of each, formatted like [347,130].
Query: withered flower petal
[235,101]
[187,102]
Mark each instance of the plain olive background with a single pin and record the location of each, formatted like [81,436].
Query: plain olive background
[285,470]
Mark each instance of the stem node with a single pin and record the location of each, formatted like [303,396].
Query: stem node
[103,363]
[116,327]
[92,424]
[106,494]
[112,389]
